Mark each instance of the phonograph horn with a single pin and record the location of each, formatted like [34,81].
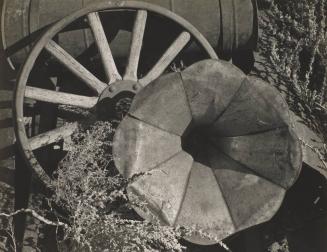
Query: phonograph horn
[216,149]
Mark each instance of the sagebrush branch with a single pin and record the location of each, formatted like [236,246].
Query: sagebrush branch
[35,215]
[317,151]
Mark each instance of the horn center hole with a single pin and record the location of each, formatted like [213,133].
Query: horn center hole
[114,108]
[196,143]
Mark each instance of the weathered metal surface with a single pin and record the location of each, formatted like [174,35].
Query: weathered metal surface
[275,155]
[204,206]
[227,171]
[136,138]
[164,187]
[155,103]
[256,107]
[228,29]
[239,184]
[209,102]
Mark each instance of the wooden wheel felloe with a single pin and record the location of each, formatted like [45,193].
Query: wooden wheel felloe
[115,82]
[216,149]
[230,26]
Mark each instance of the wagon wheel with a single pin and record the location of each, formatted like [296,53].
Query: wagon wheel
[117,84]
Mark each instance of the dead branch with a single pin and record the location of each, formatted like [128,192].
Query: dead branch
[35,215]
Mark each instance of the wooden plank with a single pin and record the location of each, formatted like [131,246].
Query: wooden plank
[103,46]
[136,45]
[75,67]
[228,26]
[56,97]
[170,54]
[312,146]
[52,136]
[7,147]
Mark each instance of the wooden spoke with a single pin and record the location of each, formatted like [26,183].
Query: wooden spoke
[72,114]
[136,46]
[50,96]
[52,136]
[75,67]
[103,46]
[166,58]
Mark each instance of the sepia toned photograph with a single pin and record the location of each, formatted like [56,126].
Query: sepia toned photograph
[163,126]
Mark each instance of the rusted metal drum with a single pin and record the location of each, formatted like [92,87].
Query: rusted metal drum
[229,25]
[208,148]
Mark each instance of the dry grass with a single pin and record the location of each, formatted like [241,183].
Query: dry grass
[293,43]
[93,193]
[100,216]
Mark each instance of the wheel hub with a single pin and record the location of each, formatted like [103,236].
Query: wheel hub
[115,100]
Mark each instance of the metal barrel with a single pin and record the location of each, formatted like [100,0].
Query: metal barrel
[229,25]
